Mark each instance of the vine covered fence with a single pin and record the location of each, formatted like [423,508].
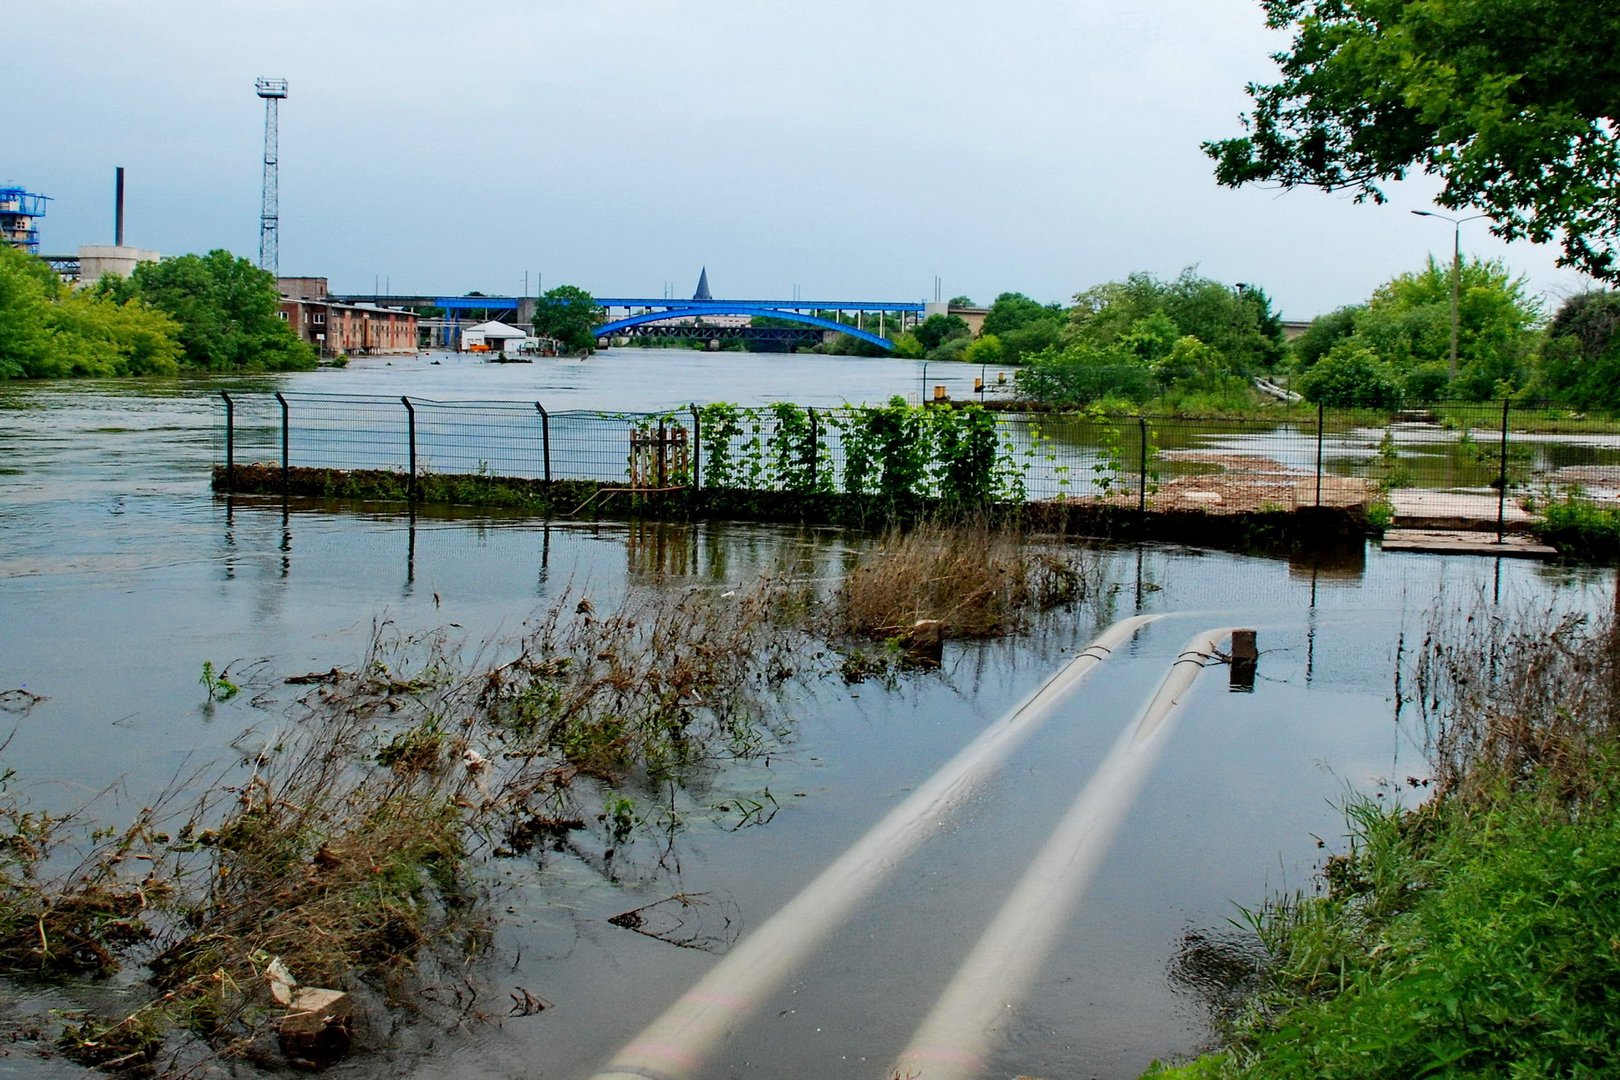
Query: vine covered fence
[1477,461]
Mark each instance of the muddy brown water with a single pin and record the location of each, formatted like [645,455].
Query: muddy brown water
[120,573]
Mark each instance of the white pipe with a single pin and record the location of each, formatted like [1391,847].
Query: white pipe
[677,1044]
[978,1004]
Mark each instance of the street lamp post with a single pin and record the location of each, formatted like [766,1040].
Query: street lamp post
[1456,273]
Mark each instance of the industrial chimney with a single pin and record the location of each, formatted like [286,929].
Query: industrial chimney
[96,260]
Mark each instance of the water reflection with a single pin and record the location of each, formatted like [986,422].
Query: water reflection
[109,615]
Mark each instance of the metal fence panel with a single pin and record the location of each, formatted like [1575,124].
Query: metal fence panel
[1472,460]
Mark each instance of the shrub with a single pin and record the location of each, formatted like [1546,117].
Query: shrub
[1579,526]
[1352,376]
[1082,374]
[1428,382]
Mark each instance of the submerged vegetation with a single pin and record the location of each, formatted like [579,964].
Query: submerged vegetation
[349,850]
[1475,934]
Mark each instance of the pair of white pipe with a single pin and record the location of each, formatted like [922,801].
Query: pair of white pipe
[968,1018]
[678,1044]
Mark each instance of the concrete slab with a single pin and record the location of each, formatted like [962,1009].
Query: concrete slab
[1420,508]
[1466,542]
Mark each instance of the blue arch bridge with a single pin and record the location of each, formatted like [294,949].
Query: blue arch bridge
[682,317]
[669,317]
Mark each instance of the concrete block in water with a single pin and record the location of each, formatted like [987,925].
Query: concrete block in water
[925,641]
[1245,660]
[315,1030]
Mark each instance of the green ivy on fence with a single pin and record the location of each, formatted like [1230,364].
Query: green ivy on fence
[897,453]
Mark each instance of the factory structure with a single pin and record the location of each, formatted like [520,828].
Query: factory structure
[20,211]
[332,327]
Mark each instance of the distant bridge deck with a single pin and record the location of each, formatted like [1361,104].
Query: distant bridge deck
[509,303]
[643,310]
[764,306]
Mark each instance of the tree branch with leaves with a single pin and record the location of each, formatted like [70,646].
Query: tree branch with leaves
[1512,103]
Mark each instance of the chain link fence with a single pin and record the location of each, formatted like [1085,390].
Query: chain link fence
[1469,463]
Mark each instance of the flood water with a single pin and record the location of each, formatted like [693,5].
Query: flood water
[120,573]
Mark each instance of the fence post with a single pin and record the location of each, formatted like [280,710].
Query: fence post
[697,447]
[284,441]
[815,446]
[410,428]
[663,450]
[1141,479]
[1501,477]
[1321,413]
[545,438]
[230,441]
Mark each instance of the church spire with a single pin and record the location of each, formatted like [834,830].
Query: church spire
[703,286]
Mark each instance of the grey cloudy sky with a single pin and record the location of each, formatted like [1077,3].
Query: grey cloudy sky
[845,149]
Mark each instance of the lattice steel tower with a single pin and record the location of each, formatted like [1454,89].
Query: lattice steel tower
[272,90]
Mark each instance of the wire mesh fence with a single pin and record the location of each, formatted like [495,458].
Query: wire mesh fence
[1475,461]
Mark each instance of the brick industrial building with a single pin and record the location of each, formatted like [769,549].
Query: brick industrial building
[344,329]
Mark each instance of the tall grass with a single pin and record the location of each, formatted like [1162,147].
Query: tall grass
[1521,699]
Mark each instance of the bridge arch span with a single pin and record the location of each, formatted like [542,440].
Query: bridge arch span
[689,311]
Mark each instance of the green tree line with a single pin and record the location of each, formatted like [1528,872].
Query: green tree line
[202,313]
[1191,343]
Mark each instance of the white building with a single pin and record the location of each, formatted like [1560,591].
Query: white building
[493,337]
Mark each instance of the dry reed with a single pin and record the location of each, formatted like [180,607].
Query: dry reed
[1507,697]
[976,578]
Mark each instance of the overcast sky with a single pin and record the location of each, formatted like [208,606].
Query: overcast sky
[846,149]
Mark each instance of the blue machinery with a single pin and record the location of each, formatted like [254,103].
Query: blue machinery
[18,211]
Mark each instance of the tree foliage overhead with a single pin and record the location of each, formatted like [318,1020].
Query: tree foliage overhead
[1513,103]
[227,308]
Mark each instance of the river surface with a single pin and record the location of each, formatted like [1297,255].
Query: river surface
[121,573]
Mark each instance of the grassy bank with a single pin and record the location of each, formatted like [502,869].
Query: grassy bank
[1479,933]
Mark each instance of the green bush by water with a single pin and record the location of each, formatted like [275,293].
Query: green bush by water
[1452,941]
[1578,526]
[1479,934]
